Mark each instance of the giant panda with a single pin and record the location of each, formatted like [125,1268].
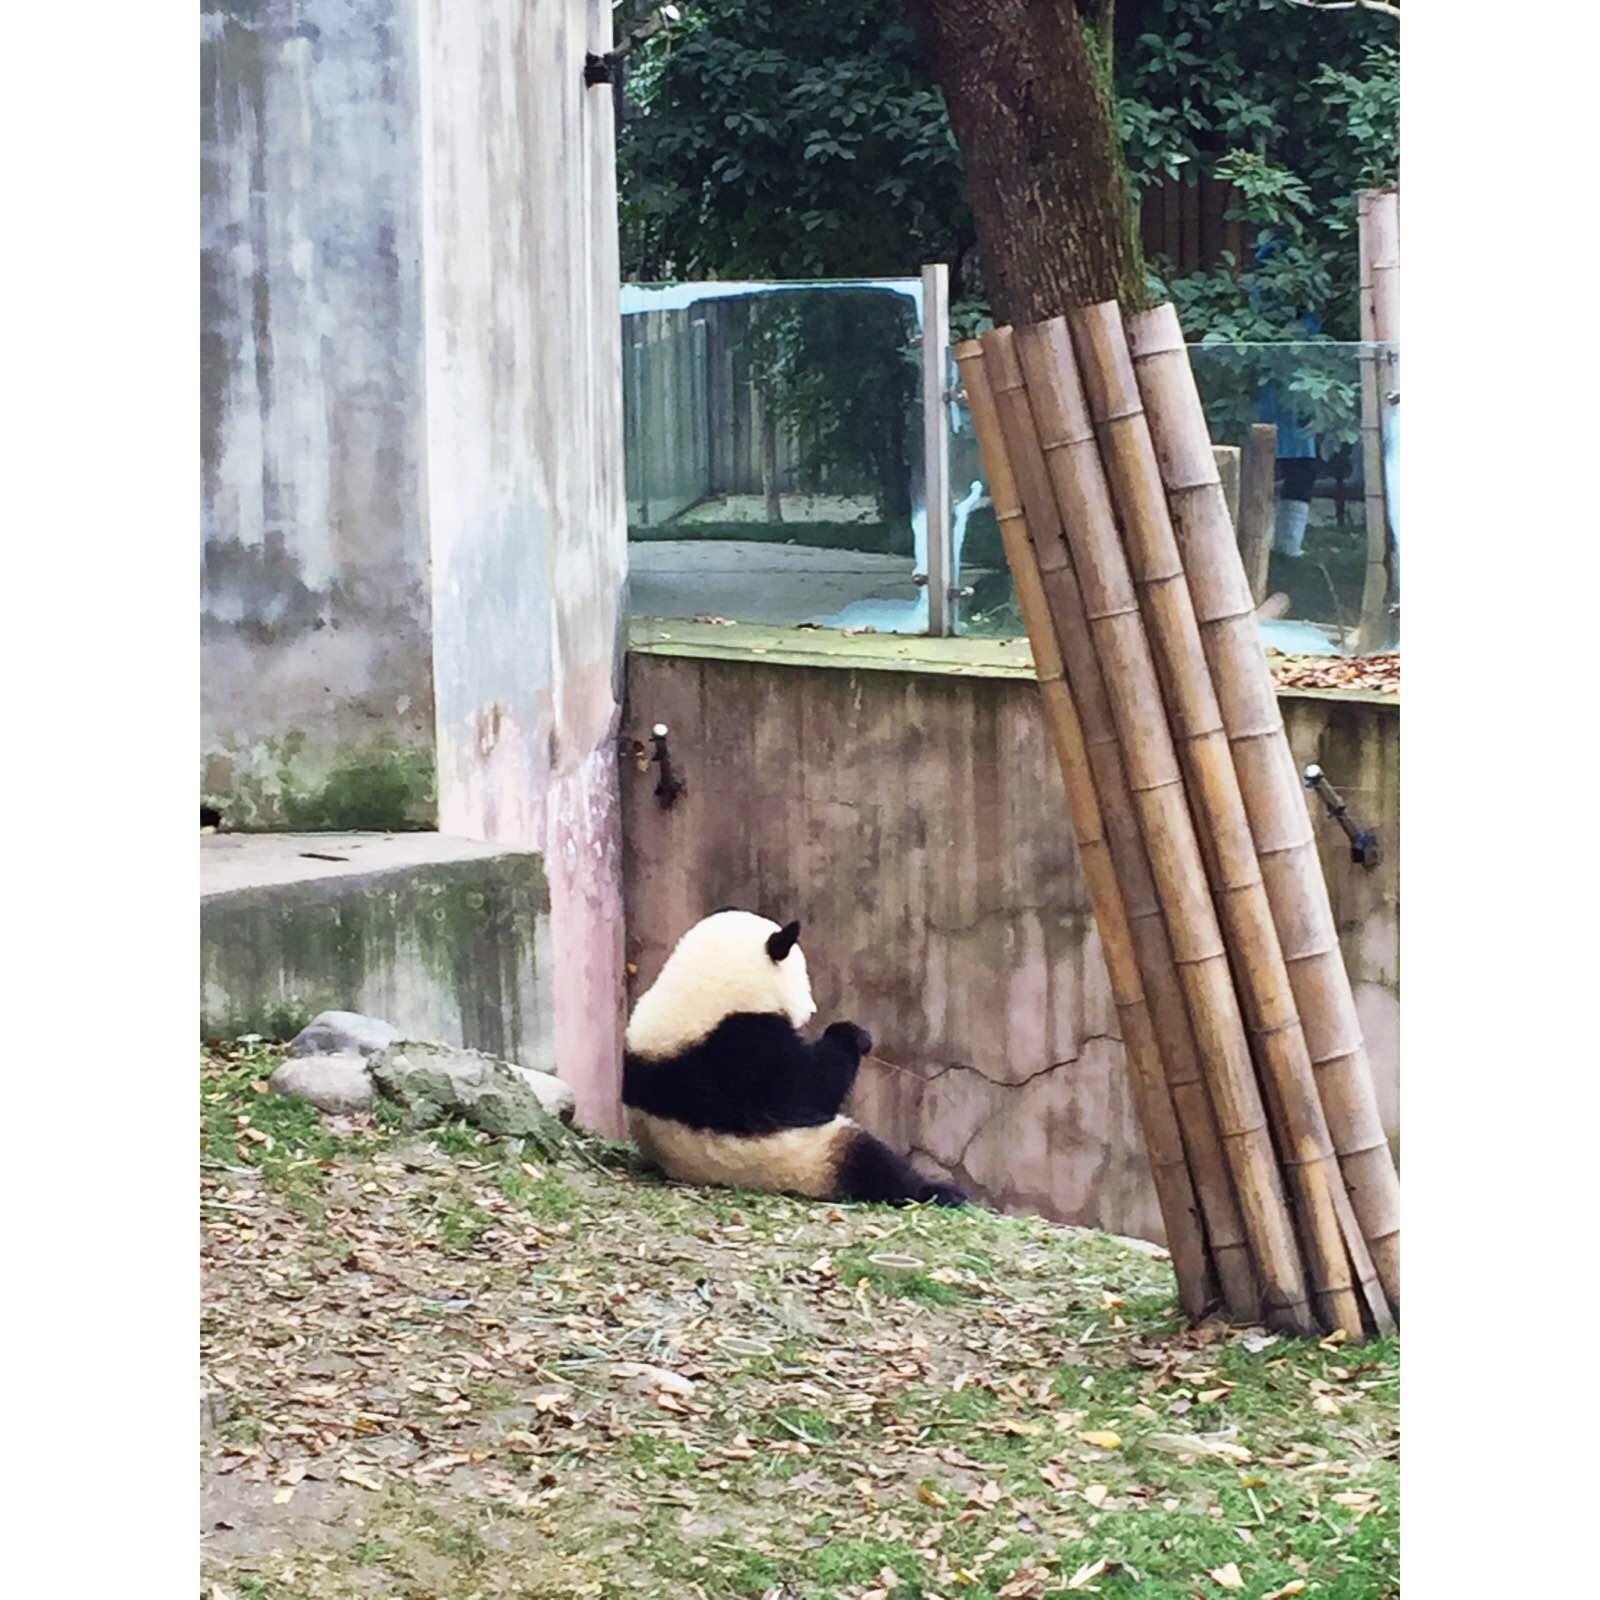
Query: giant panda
[720,1088]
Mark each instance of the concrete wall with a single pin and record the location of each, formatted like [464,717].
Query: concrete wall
[916,824]
[525,474]
[414,546]
[444,938]
[317,690]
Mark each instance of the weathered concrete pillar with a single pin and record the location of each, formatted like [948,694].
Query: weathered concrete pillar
[525,480]
[414,539]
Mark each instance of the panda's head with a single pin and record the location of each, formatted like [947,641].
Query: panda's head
[728,963]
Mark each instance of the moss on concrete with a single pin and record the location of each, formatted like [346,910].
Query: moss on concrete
[284,784]
[389,789]
[451,945]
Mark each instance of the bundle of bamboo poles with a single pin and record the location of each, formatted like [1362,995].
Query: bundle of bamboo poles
[1250,1080]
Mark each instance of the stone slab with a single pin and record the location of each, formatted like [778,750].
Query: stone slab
[447,939]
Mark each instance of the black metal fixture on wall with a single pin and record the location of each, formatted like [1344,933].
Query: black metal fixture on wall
[1365,850]
[669,786]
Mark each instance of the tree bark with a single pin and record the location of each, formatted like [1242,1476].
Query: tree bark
[769,461]
[1028,90]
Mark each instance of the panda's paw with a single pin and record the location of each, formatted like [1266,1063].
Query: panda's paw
[945,1194]
[850,1037]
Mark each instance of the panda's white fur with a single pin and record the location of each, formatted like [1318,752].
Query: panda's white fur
[733,1095]
[720,966]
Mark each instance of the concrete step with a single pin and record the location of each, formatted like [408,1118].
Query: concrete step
[446,938]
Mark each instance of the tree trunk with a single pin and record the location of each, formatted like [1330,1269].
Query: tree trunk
[769,460]
[1027,86]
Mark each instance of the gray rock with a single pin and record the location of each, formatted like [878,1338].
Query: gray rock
[435,1081]
[332,1033]
[335,1084]
[556,1097]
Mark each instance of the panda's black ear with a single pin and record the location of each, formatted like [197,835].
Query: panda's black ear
[783,941]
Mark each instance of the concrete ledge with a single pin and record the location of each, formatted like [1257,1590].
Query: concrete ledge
[446,938]
[962,657]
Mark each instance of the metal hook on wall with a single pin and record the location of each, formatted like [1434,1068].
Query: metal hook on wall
[669,786]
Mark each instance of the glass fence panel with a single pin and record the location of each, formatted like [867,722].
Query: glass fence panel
[773,439]
[1317,525]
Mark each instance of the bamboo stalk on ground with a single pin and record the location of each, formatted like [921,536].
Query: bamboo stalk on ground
[1157,1117]
[1274,797]
[1149,579]
[1257,505]
[1074,484]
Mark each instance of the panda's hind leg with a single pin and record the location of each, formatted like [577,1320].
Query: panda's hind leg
[869,1170]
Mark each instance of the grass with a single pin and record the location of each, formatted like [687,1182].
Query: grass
[461,1372]
[903,1277]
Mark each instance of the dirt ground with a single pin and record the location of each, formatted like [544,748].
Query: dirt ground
[436,1366]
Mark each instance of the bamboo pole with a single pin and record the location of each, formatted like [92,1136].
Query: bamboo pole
[1127,673]
[1274,797]
[1230,471]
[1024,479]
[1383,263]
[1157,1116]
[1151,580]
[1377,233]
[1257,505]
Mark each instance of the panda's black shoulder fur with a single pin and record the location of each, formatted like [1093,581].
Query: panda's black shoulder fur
[752,1074]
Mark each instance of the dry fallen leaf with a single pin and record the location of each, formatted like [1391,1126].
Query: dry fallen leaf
[1227,1577]
[1026,1584]
[1086,1575]
[1103,1439]
[1096,1494]
[1292,1587]
[1192,1446]
[662,1378]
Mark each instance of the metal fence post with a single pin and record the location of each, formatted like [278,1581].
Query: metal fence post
[936,447]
